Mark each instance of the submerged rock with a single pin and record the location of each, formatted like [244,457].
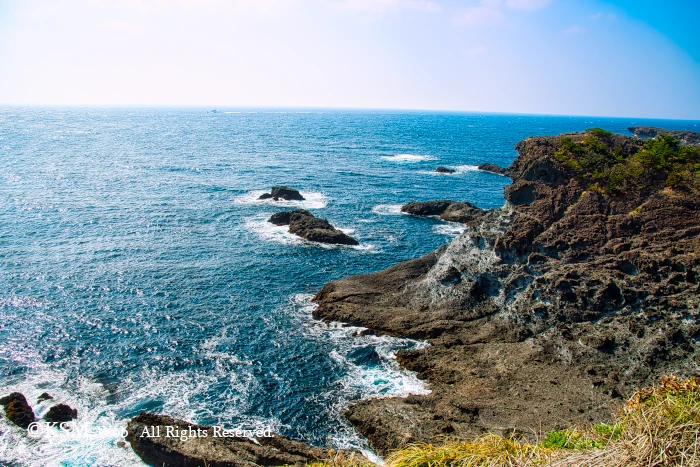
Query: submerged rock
[162,440]
[17,409]
[45,396]
[283,192]
[366,355]
[451,211]
[497,169]
[445,170]
[305,225]
[61,413]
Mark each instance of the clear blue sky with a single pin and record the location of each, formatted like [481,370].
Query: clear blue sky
[637,58]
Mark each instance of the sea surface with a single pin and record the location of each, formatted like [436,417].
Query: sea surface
[138,271]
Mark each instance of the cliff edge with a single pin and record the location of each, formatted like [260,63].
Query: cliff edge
[546,312]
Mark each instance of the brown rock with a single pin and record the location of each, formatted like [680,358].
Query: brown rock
[305,225]
[17,410]
[208,444]
[61,413]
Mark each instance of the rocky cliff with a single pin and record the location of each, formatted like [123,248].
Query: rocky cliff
[547,311]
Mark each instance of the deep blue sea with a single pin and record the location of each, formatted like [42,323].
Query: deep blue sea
[138,272]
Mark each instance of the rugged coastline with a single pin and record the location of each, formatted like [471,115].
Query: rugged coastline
[548,311]
[545,314]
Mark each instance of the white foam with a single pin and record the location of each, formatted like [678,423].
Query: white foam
[450,229]
[271,232]
[101,421]
[466,168]
[361,381]
[388,209]
[409,158]
[314,200]
[94,446]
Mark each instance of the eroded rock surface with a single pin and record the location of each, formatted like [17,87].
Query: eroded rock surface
[545,312]
[214,449]
[305,225]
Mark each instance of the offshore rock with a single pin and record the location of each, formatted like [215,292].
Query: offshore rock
[497,169]
[544,313]
[451,211]
[199,445]
[445,170]
[305,225]
[283,192]
[17,410]
[45,396]
[61,413]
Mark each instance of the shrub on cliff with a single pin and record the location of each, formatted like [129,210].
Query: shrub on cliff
[660,161]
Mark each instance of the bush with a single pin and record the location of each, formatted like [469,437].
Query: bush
[622,171]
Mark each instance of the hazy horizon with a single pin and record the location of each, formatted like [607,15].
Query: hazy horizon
[585,58]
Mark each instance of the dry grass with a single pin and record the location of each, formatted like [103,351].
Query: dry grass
[486,451]
[340,459]
[657,427]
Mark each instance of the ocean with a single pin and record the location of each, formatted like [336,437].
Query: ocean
[138,271]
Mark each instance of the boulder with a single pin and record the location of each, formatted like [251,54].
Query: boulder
[61,413]
[44,397]
[198,445]
[445,170]
[283,192]
[493,168]
[17,409]
[305,225]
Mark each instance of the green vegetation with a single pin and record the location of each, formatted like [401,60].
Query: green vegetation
[657,427]
[662,160]
[569,439]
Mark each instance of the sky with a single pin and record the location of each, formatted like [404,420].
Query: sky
[628,58]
